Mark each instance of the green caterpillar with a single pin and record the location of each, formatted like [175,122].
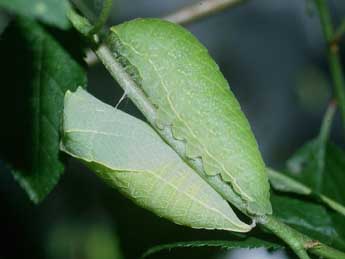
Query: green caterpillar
[192,97]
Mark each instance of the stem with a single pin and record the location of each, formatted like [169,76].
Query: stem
[84,26]
[321,143]
[333,56]
[199,10]
[81,24]
[102,17]
[84,9]
[300,242]
[333,204]
[325,251]
[327,122]
[339,32]
[126,82]
[288,235]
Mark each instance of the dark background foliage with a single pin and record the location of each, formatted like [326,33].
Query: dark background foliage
[271,52]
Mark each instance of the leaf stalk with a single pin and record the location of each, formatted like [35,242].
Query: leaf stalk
[335,65]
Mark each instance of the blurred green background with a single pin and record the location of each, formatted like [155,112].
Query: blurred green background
[271,52]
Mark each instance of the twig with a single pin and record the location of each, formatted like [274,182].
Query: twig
[199,10]
[186,15]
[335,65]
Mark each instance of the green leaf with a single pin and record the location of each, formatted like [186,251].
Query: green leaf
[249,243]
[130,156]
[335,176]
[313,163]
[284,183]
[194,102]
[309,218]
[317,169]
[307,164]
[52,12]
[328,184]
[40,71]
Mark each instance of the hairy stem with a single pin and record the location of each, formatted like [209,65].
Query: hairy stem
[334,61]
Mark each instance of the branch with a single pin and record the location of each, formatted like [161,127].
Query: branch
[335,65]
[199,10]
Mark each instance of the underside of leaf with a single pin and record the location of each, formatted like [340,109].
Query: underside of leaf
[130,156]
